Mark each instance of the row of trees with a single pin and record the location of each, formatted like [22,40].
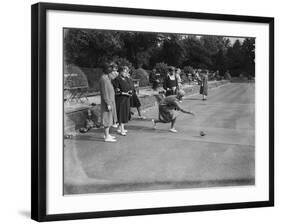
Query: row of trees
[90,48]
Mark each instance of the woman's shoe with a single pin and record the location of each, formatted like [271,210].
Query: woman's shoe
[173,130]
[109,139]
[123,133]
[110,136]
[115,126]
[119,131]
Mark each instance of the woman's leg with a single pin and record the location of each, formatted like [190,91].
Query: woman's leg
[121,130]
[106,132]
[154,122]
[173,126]
[173,123]
[157,121]
[139,112]
[107,136]
[138,109]
[122,127]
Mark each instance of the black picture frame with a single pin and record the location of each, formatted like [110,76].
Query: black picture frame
[39,124]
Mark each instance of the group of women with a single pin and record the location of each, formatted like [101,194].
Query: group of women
[172,82]
[118,96]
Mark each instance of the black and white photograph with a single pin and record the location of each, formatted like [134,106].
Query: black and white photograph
[153,111]
[142,111]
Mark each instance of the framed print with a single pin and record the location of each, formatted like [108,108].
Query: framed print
[140,111]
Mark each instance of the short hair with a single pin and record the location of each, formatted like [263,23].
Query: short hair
[122,68]
[171,68]
[180,94]
[107,66]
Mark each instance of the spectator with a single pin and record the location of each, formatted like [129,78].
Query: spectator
[107,94]
[170,82]
[178,77]
[134,100]
[204,85]
[197,77]
[123,93]
[154,79]
[227,75]
[189,78]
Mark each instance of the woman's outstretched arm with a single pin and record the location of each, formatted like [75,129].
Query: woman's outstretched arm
[178,107]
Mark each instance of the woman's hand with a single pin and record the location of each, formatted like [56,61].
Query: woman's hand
[192,113]
[125,94]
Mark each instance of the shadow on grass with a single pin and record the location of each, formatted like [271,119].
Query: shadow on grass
[89,137]
[148,129]
[192,99]
[141,119]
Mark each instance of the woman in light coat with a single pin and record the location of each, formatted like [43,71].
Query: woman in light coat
[108,107]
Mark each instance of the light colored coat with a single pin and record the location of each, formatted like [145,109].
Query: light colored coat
[108,117]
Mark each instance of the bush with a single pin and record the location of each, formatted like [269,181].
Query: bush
[188,69]
[93,76]
[74,77]
[124,62]
[142,75]
[162,68]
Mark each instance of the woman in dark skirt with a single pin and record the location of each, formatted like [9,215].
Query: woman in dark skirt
[123,93]
[154,79]
[134,100]
[204,85]
[170,83]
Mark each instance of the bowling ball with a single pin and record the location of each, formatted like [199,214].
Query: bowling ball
[202,133]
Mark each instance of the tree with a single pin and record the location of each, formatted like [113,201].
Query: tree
[248,50]
[220,62]
[196,55]
[162,68]
[235,58]
[173,51]
[90,47]
[138,47]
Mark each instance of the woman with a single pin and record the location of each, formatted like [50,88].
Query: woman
[154,79]
[204,85]
[178,77]
[123,93]
[170,82]
[168,109]
[107,94]
[134,100]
